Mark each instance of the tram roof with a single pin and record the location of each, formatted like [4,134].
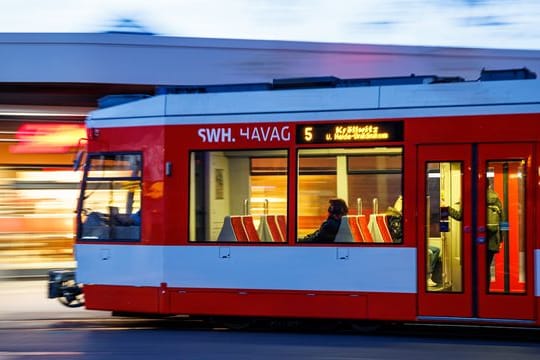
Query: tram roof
[322,94]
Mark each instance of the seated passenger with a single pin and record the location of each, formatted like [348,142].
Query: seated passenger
[329,228]
[394,219]
[96,218]
[127,220]
[434,273]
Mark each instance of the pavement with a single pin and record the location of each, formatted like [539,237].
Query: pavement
[34,270]
[27,300]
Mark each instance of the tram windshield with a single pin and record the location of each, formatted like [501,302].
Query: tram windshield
[111,198]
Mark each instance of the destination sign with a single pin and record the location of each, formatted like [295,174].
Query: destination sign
[350,132]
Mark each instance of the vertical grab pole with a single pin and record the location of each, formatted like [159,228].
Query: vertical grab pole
[246,207]
[265,206]
[359,206]
[375,205]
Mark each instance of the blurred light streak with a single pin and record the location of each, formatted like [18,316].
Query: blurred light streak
[47,138]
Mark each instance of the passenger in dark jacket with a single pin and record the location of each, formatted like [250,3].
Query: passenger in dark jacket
[493,219]
[329,228]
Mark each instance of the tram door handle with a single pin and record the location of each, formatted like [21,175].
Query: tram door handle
[342,254]
[224,252]
[481,238]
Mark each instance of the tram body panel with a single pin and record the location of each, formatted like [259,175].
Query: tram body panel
[204,274]
[202,146]
[240,267]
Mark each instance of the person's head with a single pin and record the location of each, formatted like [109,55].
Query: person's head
[338,207]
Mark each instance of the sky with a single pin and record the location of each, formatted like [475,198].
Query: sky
[505,24]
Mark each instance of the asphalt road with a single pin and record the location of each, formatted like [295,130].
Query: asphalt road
[33,327]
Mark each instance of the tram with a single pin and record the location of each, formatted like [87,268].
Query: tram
[203,201]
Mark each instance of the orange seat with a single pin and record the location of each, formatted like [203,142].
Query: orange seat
[273,227]
[249,227]
[355,229]
[238,227]
[383,228]
[363,228]
[282,224]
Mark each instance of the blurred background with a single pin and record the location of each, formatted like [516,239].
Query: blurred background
[60,57]
[471,23]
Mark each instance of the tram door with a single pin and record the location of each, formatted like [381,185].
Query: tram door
[475,231]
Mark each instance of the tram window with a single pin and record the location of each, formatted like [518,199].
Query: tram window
[370,182]
[238,196]
[111,204]
[444,231]
[505,226]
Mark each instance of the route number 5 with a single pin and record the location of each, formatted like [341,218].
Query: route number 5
[308,133]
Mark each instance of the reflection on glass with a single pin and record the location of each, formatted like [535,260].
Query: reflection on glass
[238,196]
[111,207]
[505,226]
[370,182]
[443,227]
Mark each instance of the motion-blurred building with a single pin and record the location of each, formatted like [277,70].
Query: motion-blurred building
[49,82]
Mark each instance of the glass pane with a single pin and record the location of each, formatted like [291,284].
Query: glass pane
[114,165]
[111,210]
[505,226]
[314,193]
[443,227]
[318,165]
[238,196]
[368,180]
[272,166]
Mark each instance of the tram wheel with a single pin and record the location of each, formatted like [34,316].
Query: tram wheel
[71,294]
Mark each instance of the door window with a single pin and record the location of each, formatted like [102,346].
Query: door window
[443,231]
[505,226]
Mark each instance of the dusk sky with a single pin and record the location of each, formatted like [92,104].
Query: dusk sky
[509,24]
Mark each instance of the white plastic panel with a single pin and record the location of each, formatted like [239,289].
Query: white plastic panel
[119,264]
[384,269]
[149,107]
[273,101]
[461,94]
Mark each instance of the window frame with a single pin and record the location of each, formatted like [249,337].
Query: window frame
[86,179]
[348,152]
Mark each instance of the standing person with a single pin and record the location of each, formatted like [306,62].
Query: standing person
[494,216]
[329,228]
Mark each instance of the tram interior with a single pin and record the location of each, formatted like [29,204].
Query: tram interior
[444,230]
[249,190]
[504,237]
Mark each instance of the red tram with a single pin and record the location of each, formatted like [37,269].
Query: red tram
[198,200]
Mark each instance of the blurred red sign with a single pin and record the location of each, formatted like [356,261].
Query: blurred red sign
[47,138]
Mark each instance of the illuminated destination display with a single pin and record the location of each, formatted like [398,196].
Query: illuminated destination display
[349,132]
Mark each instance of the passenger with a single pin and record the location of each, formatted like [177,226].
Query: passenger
[434,275]
[329,228]
[127,220]
[493,220]
[394,220]
[136,218]
[453,212]
[434,257]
